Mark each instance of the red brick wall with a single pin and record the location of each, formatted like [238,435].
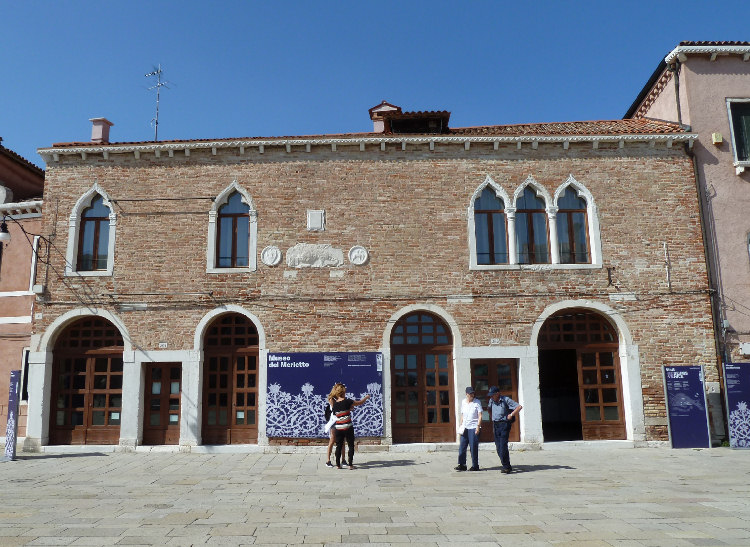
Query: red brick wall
[409,209]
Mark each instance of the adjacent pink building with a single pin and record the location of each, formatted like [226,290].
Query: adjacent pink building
[21,187]
[705,86]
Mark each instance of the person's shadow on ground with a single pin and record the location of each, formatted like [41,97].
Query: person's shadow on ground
[528,468]
[382,464]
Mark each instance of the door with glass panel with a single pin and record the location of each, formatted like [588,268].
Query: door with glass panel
[502,373]
[600,394]
[422,380]
[87,384]
[163,388]
[230,387]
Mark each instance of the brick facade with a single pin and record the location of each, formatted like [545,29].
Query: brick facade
[408,208]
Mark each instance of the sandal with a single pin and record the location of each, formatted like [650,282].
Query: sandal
[352,467]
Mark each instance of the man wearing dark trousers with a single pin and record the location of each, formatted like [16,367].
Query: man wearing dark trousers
[503,411]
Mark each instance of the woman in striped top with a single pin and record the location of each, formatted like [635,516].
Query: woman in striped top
[342,408]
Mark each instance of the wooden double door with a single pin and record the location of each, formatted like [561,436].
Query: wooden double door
[162,393]
[86,398]
[422,392]
[86,395]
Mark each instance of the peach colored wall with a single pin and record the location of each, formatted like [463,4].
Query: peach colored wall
[709,84]
[14,336]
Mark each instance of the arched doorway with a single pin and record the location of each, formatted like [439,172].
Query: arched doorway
[230,381]
[87,384]
[580,381]
[422,380]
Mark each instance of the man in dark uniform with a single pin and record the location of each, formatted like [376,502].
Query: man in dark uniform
[503,411]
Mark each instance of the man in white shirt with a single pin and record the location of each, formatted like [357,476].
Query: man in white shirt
[468,430]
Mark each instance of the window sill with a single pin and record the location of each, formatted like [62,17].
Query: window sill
[229,270]
[741,166]
[92,273]
[534,267]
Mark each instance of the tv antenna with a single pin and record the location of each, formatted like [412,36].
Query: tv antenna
[159,84]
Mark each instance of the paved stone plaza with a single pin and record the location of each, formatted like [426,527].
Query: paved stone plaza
[600,494]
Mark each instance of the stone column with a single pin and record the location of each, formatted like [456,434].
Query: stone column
[40,393]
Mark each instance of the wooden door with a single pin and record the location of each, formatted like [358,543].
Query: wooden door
[422,390]
[600,389]
[87,398]
[230,381]
[162,392]
[502,373]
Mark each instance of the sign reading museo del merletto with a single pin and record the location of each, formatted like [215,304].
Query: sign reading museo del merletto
[686,407]
[298,384]
[737,390]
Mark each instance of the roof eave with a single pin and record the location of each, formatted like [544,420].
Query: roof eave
[52,153]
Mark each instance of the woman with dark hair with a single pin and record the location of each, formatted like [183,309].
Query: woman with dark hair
[342,408]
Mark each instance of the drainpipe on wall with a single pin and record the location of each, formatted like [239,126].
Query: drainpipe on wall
[714,292]
[674,68]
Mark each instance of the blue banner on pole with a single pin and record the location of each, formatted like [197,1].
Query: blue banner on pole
[298,384]
[11,430]
[737,392]
[686,407]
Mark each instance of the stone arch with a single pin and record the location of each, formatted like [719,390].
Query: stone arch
[208,318]
[632,390]
[539,190]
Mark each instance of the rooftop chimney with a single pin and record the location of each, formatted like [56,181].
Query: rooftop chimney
[100,130]
[376,115]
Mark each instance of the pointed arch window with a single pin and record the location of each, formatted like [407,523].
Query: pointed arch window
[91,235]
[232,248]
[490,228]
[531,229]
[572,228]
[93,240]
[232,232]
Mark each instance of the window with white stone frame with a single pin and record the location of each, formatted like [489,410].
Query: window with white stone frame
[555,232]
[232,232]
[91,235]
[739,124]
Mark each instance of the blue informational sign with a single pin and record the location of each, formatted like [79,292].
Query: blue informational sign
[298,384]
[11,430]
[737,390]
[686,407]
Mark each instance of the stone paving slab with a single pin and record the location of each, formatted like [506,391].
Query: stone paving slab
[599,494]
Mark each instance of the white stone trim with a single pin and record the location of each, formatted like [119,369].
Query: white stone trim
[630,365]
[213,215]
[551,209]
[55,153]
[74,224]
[740,166]
[22,209]
[681,52]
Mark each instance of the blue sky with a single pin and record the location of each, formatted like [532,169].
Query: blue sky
[243,69]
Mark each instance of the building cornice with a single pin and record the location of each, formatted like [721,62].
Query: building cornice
[22,209]
[680,52]
[242,145]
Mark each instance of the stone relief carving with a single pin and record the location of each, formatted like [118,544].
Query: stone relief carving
[309,255]
[271,255]
[358,255]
